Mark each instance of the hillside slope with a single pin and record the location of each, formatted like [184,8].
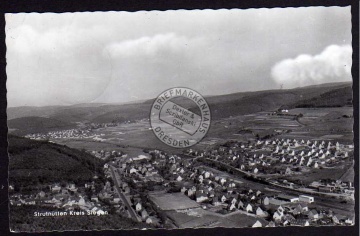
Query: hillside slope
[334,98]
[221,106]
[25,125]
[39,162]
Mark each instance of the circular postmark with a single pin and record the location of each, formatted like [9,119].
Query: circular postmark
[180,117]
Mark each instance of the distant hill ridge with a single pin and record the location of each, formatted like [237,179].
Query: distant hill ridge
[331,94]
[33,124]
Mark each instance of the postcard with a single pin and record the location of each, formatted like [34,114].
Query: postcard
[176,119]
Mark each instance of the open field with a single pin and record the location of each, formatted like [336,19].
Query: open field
[197,218]
[330,124]
[243,220]
[316,123]
[190,219]
[172,201]
[317,174]
[349,175]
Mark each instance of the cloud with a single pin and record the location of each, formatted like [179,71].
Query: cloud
[71,58]
[149,46]
[61,64]
[331,65]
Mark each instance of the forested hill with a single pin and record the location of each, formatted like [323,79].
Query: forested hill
[27,125]
[39,162]
[335,98]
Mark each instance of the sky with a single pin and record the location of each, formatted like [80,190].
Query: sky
[117,57]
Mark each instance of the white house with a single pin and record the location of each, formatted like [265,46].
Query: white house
[277,216]
[249,208]
[266,201]
[257,224]
[260,212]
[138,206]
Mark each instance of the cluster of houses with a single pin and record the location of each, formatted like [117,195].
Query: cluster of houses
[278,209]
[138,168]
[77,133]
[145,211]
[69,133]
[215,191]
[279,156]
[68,198]
[107,154]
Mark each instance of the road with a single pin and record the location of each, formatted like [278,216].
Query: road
[131,211]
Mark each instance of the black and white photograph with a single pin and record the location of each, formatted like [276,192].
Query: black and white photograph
[231,118]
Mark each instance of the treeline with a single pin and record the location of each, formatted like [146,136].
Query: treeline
[39,162]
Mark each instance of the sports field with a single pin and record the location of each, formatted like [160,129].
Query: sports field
[172,201]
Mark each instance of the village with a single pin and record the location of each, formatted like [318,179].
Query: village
[68,197]
[159,173]
[77,133]
[83,131]
[274,160]
[247,179]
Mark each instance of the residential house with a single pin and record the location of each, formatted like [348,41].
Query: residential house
[55,188]
[266,201]
[313,214]
[231,207]
[222,181]
[126,189]
[271,224]
[72,187]
[289,218]
[116,199]
[249,208]
[288,171]
[138,206]
[179,178]
[29,202]
[350,220]
[152,220]
[257,224]
[339,219]
[94,199]
[277,216]
[81,201]
[200,196]
[183,189]
[240,205]
[41,194]
[215,201]
[300,208]
[191,192]
[261,213]
[144,214]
